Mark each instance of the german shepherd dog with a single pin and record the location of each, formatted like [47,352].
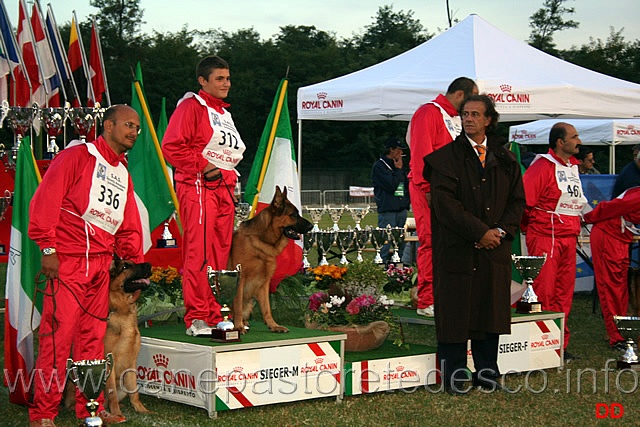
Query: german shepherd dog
[122,338]
[255,245]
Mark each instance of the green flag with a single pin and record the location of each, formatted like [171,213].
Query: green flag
[152,192]
[162,121]
[22,267]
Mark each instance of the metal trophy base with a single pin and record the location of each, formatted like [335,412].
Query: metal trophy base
[218,335]
[528,307]
[166,243]
[628,365]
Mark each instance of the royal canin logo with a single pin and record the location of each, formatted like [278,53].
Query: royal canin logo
[161,360]
[523,135]
[545,336]
[318,360]
[108,211]
[629,130]
[399,368]
[238,369]
[508,96]
[322,103]
[322,95]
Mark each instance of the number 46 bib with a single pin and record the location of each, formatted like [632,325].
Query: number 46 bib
[572,199]
[108,195]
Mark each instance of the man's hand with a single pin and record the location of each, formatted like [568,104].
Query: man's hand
[211,173]
[490,240]
[397,162]
[50,266]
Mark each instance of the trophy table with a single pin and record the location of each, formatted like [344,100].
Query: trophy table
[529,267]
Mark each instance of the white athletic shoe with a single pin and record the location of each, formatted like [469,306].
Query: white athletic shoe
[428,312]
[199,327]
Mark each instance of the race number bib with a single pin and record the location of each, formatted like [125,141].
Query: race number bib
[108,194]
[572,199]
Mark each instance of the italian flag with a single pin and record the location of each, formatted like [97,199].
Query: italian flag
[275,164]
[154,195]
[23,306]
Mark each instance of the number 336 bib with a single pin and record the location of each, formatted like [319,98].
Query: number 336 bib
[108,195]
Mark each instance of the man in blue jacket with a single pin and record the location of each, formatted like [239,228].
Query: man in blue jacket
[391,189]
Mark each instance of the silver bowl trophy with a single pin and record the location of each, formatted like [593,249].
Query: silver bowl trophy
[335,214]
[357,214]
[529,267]
[167,240]
[20,120]
[362,238]
[83,119]
[224,293]
[316,215]
[397,238]
[243,210]
[53,120]
[90,377]
[379,237]
[325,241]
[308,240]
[628,327]
[345,239]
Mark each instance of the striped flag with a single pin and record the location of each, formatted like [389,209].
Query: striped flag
[23,265]
[147,170]
[47,63]
[77,59]
[275,164]
[10,56]
[68,85]
[29,87]
[96,70]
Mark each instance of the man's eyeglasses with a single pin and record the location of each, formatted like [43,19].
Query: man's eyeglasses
[132,126]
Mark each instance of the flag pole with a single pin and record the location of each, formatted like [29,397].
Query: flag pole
[267,154]
[154,137]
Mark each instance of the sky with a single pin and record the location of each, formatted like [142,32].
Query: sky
[345,18]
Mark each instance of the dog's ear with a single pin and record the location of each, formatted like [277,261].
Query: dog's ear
[278,199]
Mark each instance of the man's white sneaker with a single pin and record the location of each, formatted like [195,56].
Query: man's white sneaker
[428,312]
[199,327]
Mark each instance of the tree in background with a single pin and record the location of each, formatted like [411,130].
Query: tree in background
[548,20]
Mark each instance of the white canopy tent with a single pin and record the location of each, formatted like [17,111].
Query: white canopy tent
[611,132]
[526,83]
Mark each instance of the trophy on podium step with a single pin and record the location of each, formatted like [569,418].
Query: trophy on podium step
[529,267]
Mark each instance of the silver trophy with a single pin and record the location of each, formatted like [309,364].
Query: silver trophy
[335,214]
[316,215]
[242,212]
[397,238]
[326,238]
[362,238]
[345,239]
[20,120]
[628,327]
[358,214]
[308,240]
[167,240]
[90,377]
[379,237]
[53,120]
[83,120]
[529,267]
[224,284]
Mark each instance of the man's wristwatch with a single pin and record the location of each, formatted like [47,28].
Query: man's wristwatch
[48,251]
[503,233]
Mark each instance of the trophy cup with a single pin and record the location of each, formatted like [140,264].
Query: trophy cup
[378,237]
[345,239]
[529,267]
[335,214]
[397,237]
[308,239]
[361,239]
[316,216]
[20,120]
[53,119]
[167,240]
[82,119]
[628,327]
[224,293]
[242,212]
[90,376]
[357,214]
[325,239]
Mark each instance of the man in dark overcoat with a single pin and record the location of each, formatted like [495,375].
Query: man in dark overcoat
[477,202]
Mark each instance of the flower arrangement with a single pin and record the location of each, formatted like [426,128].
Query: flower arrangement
[354,299]
[399,279]
[326,275]
[163,294]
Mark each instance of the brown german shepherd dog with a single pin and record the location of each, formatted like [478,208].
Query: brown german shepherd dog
[122,338]
[255,246]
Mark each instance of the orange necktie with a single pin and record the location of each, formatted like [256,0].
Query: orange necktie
[482,153]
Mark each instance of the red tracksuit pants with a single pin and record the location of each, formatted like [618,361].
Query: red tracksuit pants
[422,214]
[207,216]
[67,330]
[556,282]
[611,267]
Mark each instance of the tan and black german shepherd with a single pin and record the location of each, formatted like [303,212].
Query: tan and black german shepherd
[255,246]
[122,338]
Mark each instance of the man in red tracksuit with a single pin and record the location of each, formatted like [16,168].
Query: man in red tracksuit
[432,126]
[204,146]
[83,211]
[612,232]
[552,219]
